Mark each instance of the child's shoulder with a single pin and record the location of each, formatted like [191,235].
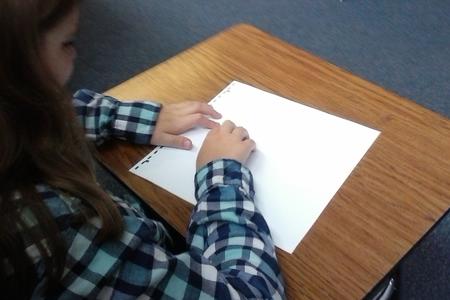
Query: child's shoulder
[59,202]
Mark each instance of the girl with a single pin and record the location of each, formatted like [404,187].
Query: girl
[61,235]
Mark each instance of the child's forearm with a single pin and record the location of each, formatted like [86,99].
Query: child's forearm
[103,117]
[229,231]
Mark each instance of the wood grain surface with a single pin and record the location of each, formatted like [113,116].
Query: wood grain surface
[396,193]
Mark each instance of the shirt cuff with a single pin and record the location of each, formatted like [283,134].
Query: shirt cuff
[135,121]
[223,172]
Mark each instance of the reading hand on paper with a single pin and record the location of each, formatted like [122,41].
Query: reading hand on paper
[226,141]
[175,119]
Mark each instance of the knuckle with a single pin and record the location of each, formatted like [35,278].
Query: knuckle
[241,131]
[230,123]
[250,142]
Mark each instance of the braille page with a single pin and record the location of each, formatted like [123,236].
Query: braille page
[303,156]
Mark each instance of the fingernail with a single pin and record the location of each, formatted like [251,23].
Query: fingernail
[187,144]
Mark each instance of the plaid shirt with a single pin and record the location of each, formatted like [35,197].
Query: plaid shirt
[231,254]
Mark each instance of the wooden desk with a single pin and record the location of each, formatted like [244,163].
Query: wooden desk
[396,193]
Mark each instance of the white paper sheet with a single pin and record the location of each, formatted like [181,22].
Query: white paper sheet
[303,156]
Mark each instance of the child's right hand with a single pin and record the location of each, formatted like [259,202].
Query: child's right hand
[226,141]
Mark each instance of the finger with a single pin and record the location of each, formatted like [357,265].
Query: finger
[207,109]
[176,141]
[250,144]
[246,149]
[241,132]
[194,120]
[228,126]
[207,123]
[194,107]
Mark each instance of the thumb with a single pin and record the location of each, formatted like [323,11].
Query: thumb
[176,141]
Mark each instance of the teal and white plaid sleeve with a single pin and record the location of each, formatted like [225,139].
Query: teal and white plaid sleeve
[229,232]
[103,117]
[230,253]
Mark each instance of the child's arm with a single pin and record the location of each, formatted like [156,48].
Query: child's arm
[103,117]
[230,256]
[141,122]
[229,232]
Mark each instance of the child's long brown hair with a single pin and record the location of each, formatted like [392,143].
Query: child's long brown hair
[40,142]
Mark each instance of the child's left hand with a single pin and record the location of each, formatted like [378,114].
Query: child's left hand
[177,118]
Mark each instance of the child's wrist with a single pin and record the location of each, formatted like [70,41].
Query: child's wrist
[223,172]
